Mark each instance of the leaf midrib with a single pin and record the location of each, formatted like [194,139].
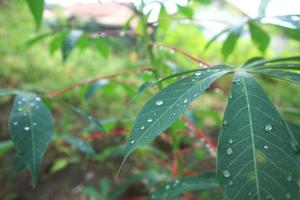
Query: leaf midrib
[252,136]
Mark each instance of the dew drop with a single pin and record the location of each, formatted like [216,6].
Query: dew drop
[230,96]
[15,123]
[230,183]
[38,98]
[159,102]
[295,146]
[268,127]
[19,102]
[167,187]
[230,141]
[20,109]
[229,151]
[249,194]
[198,73]
[150,120]
[266,147]
[185,100]
[225,122]
[142,127]
[226,173]
[34,124]
[132,141]
[26,128]
[289,178]
[288,196]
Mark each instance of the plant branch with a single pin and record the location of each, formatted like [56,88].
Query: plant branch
[94,80]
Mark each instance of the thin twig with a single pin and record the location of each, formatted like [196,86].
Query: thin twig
[94,80]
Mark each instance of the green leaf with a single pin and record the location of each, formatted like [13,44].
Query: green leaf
[37,8]
[286,21]
[94,87]
[280,66]
[37,39]
[281,74]
[80,144]
[187,11]
[261,62]
[262,7]
[259,37]
[102,47]
[19,165]
[231,40]
[255,158]
[86,116]
[214,38]
[31,128]
[5,146]
[166,106]
[57,41]
[59,164]
[186,184]
[70,42]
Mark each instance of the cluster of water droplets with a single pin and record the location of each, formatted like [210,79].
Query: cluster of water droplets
[24,106]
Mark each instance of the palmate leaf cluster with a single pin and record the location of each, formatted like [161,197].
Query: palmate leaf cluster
[257,147]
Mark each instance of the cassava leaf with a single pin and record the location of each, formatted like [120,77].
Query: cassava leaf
[37,8]
[38,38]
[80,144]
[261,62]
[259,37]
[185,184]
[285,21]
[86,116]
[19,165]
[31,128]
[231,40]
[102,47]
[70,42]
[94,87]
[282,66]
[255,158]
[214,38]
[281,74]
[166,106]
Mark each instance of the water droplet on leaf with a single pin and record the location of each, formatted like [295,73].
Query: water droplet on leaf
[142,127]
[198,73]
[229,151]
[225,122]
[226,173]
[185,100]
[288,196]
[268,127]
[15,123]
[230,141]
[266,147]
[159,102]
[289,178]
[132,141]
[26,128]
[150,120]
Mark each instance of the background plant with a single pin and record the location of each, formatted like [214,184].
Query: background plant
[260,154]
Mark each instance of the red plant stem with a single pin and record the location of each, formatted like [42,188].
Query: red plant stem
[87,82]
[199,133]
[199,61]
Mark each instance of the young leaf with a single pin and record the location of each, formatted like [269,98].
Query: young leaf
[37,8]
[281,74]
[166,106]
[80,144]
[255,158]
[214,38]
[70,42]
[231,40]
[102,47]
[259,37]
[31,128]
[186,184]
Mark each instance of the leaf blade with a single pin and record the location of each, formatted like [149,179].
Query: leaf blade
[37,8]
[258,36]
[168,104]
[254,146]
[31,128]
[185,184]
